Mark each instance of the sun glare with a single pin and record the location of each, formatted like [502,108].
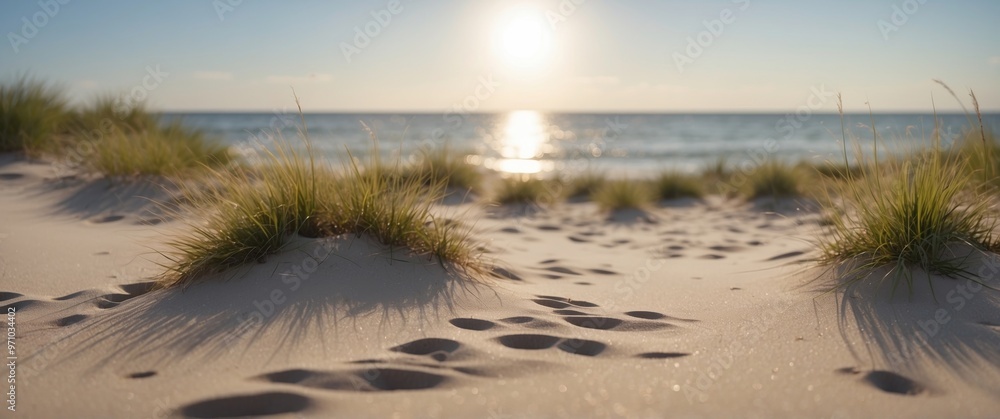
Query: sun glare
[524,39]
[524,141]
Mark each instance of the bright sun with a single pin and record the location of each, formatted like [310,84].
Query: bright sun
[524,39]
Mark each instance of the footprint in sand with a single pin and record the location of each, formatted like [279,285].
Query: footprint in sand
[711,256]
[106,219]
[142,374]
[530,322]
[888,382]
[785,255]
[562,270]
[578,303]
[648,315]
[652,315]
[594,322]
[472,324]
[130,291]
[891,382]
[259,404]
[504,273]
[589,321]
[611,323]
[602,272]
[436,348]
[112,300]
[726,249]
[70,296]
[70,320]
[662,355]
[361,380]
[5,295]
[561,302]
[538,342]
[569,313]
[19,305]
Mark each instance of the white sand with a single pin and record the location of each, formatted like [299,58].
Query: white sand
[710,310]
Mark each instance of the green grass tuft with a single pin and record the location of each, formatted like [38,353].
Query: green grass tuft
[108,112]
[168,151]
[32,113]
[624,194]
[906,214]
[982,155]
[675,185]
[524,191]
[584,185]
[443,166]
[252,211]
[773,179]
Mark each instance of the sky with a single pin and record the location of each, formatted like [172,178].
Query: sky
[493,55]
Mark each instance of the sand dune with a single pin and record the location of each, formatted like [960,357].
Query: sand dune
[704,309]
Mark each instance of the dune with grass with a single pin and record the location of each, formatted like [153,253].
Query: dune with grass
[167,277]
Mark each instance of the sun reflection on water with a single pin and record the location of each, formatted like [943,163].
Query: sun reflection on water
[524,142]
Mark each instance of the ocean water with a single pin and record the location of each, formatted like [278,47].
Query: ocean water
[616,144]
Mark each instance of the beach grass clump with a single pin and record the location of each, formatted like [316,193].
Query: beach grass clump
[32,113]
[447,167]
[161,151]
[773,179]
[717,170]
[676,185]
[583,185]
[982,153]
[517,190]
[109,111]
[251,212]
[906,214]
[908,218]
[108,137]
[624,194]
[395,211]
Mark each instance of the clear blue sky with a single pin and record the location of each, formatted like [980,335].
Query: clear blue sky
[603,56]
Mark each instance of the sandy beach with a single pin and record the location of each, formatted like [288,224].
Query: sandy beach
[500,209]
[697,308]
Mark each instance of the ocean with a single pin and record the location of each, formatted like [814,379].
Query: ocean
[541,143]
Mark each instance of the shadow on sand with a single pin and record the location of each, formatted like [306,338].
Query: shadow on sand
[304,295]
[942,325]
